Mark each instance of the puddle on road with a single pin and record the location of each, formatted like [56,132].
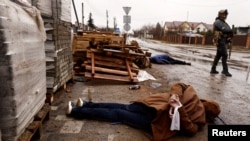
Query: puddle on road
[203,58]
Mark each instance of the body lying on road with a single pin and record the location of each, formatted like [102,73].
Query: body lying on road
[166,59]
[163,114]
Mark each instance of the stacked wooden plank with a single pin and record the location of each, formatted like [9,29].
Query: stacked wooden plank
[113,61]
[59,60]
[82,41]
[106,65]
[22,67]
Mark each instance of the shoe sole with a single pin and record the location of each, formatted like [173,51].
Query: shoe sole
[213,73]
[226,75]
[79,102]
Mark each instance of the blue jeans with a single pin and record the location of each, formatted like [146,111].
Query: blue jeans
[136,115]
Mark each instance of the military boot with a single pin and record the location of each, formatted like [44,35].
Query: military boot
[226,73]
[213,71]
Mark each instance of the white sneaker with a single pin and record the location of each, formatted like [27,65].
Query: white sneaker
[79,102]
[69,108]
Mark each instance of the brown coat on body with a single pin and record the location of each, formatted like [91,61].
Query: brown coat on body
[192,113]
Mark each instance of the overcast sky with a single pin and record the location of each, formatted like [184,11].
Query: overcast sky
[149,12]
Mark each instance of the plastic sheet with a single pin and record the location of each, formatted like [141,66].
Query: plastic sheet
[23,69]
[143,75]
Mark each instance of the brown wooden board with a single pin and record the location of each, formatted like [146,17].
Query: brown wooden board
[106,58]
[34,130]
[92,63]
[129,70]
[43,113]
[110,71]
[120,52]
[113,65]
[31,130]
[111,77]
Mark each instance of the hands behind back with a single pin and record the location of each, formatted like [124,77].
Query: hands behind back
[174,102]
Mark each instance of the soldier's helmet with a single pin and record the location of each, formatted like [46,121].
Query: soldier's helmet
[223,11]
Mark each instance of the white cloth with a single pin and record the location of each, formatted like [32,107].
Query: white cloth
[175,124]
[143,75]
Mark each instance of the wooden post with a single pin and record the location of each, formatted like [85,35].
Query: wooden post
[110,71]
[129,70]
[92,63]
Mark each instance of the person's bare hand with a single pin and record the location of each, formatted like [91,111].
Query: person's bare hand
[171,112]
[174,101]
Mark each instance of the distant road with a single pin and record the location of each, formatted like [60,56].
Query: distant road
[200,55]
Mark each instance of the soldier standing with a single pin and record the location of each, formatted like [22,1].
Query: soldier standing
[222,38]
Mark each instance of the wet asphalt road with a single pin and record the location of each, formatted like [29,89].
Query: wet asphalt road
[201,56]
[233,93]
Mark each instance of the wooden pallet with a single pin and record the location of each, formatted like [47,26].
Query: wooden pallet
[34,130]
[63,86]
[49,98]
[108,57]
[111,65]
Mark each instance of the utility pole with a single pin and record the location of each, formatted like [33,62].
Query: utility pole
[83,17]
[107,20]
[76,14]
[115,25]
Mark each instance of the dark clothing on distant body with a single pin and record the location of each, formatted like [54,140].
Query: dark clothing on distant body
[165,59]
[226,34]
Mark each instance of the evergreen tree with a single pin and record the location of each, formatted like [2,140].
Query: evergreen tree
[91,21]
[158,31]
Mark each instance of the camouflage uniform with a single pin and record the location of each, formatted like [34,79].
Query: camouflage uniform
[222,37]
